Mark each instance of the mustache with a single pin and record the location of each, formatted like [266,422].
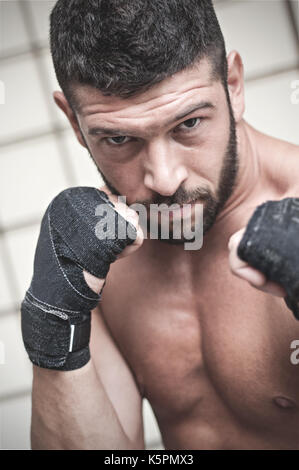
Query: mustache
[181,196]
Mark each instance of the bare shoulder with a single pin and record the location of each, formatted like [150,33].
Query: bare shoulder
[292,151]
[290,169]
[280,163]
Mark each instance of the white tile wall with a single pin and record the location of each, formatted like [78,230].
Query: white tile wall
[6,294]
[86,173]
[21,248]
[32,174]
[46,61]
[24,110]
[259,30]
[13,34]
[15,417]
[269,107]
[40,11]
[295,5]
[16,372]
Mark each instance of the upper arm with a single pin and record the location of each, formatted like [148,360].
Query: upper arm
[117,379]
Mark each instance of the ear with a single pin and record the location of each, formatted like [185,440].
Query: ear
[235,81]
[63,104]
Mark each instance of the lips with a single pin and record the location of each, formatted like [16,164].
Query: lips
[176,213]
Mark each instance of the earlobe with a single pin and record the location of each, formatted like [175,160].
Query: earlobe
[235,82]
[63,104]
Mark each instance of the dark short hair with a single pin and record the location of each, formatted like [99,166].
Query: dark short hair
[123,47]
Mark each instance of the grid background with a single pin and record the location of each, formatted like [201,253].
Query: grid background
[39,155]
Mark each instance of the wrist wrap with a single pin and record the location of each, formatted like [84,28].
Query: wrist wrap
[271,245]
[55,314]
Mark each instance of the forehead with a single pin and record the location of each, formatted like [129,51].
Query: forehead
[161,100]
[87,96]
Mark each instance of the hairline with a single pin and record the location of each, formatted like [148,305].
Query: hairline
[70,94]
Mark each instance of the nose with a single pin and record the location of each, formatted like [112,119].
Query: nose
[164,170]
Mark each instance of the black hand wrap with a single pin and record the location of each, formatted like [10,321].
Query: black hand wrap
[56,309]
[271,245]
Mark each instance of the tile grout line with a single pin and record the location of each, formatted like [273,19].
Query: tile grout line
[267,75]
[7,397]
[15,54]
[34,135]
[47,91]
[29,223]
[10,272]
[10,311]
[293,23]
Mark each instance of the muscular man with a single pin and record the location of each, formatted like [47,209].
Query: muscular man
[204,336]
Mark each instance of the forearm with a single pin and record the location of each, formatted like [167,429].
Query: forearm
[71,410]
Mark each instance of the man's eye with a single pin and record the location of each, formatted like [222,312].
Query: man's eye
[189,124]
[118,140]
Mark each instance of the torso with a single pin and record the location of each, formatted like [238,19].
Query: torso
[210,352]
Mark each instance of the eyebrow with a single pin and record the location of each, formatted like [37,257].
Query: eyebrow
[191,109]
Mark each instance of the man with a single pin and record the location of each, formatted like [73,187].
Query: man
[204,336]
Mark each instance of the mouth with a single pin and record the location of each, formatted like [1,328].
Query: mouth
[183,211]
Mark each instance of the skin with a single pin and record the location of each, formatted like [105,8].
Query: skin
[206,337]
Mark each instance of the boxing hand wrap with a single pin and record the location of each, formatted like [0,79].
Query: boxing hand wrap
[271,245]
[55,314]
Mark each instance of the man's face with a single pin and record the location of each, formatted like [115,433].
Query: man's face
[175,143]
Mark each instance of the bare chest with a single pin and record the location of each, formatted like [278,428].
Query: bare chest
[207,344]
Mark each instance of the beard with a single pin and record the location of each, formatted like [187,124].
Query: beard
[212,204]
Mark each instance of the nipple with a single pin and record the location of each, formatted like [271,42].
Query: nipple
[283,402]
